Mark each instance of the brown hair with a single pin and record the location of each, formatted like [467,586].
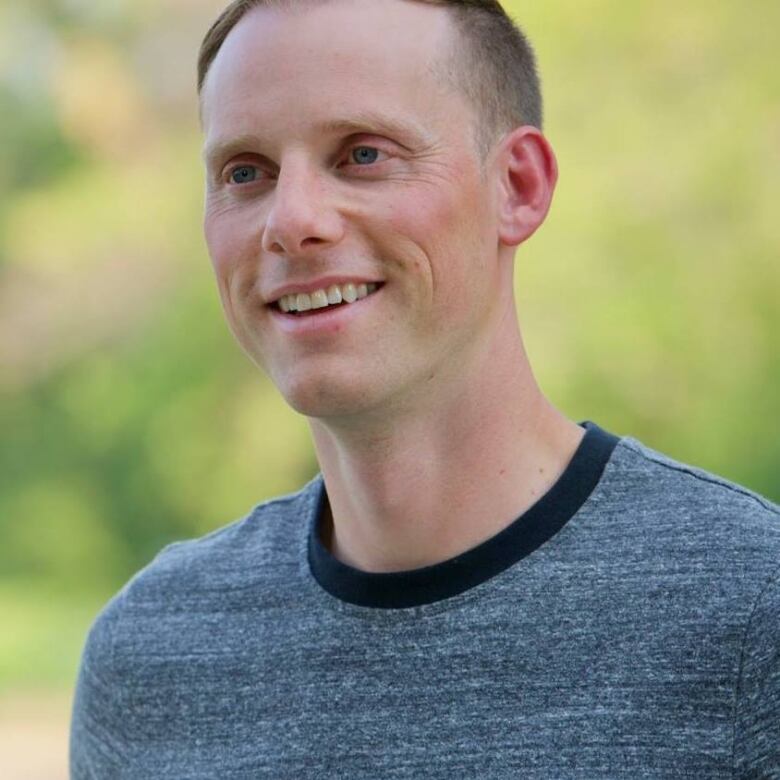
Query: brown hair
[493,63]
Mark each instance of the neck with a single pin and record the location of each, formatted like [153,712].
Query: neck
[427,485]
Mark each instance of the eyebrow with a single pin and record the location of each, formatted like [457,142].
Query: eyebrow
[363,122]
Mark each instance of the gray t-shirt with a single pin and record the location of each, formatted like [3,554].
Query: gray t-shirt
[626,626]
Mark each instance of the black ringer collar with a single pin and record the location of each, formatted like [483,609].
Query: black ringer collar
[449,578]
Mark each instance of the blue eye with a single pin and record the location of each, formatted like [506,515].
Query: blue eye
[243,175]
[365,154]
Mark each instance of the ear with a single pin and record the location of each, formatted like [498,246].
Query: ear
[527,176]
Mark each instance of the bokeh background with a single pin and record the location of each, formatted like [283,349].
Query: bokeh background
[128,416]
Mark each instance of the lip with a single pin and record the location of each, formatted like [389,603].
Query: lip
[317,284]
[324,322]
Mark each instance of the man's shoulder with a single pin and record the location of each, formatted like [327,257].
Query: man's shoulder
[247,536]
[690,501]
[687,483]
[174,606]
[269,538]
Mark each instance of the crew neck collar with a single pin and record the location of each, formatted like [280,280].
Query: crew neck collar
[415,587]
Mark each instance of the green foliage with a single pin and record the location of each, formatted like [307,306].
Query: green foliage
[130,418]
[40,153]
[648,299]
[48,632]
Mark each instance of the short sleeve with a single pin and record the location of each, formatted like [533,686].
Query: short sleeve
[757,726]
[97,745]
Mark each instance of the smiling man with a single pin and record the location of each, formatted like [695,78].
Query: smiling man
[475,585]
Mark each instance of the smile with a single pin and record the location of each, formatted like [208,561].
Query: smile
[334,295]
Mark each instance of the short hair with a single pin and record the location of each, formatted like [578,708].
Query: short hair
[493,63]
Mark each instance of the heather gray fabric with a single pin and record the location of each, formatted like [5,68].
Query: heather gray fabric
[640,641]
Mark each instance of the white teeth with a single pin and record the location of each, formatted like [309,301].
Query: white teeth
[319,299]
[349,292]
[334,294]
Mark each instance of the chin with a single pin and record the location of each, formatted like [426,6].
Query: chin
[323,397]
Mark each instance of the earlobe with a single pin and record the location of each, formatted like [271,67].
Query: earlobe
[527,181]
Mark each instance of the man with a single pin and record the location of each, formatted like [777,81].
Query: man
[476,586]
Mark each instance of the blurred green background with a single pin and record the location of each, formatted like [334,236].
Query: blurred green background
[128,416]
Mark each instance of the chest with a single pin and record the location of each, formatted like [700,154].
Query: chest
[557,698]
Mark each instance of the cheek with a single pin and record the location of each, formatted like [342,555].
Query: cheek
[443,227]
[232,248]
[222,241]
[420,214]
[413,229]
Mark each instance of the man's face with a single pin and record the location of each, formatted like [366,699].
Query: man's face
[349,162]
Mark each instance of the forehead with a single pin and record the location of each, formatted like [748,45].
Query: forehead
[292,69]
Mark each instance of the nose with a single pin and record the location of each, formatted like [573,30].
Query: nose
[302,217]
